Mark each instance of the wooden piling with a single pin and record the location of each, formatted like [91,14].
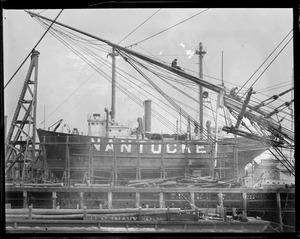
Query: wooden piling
[109,198]
[162,162]
[25,199]
[137,199]
[54,197]
[140,214]
[245,202]
[161,200]
[81,194]
[278,201]
[30,212]
[114,162]
[84,213]
[138,168]
[168,214]
[192,195]
[67,163]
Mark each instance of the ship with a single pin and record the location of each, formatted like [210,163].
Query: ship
[112,153]
[116,173]
[124,157]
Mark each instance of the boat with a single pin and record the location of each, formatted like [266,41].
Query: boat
[117,173]
[113,153]
[133,158]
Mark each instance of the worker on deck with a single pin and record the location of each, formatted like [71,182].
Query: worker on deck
[234,94]
[233,91]
[174,64]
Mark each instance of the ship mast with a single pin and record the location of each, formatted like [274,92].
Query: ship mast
[113,85]
[201,54]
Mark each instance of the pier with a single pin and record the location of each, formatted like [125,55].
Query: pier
[274,205]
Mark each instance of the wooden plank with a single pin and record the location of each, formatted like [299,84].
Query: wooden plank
[39,211]
[150,190]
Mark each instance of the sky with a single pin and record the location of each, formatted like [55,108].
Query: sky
[245,36]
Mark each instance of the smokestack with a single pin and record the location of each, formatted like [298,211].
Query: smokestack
[147,104]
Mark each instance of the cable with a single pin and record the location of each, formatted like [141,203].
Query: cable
[32,49]
[168,28]
[138,26]
[265,60]
[270,63]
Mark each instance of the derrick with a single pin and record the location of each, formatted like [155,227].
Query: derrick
[20,142]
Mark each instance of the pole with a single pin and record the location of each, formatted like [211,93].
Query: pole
[201,53]
[35,55]
[113,85]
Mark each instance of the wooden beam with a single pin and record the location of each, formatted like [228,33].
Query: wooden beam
[278,202]
[25,199]
[54,197]
[109,198]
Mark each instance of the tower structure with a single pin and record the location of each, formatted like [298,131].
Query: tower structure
[21,137]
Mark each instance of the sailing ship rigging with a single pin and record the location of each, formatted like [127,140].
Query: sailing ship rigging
[263,126]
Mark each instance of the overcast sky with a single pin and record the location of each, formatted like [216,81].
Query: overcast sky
[246,38]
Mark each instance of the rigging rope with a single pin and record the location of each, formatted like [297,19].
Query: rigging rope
[167,28]
[265,61]
[149,68]
[138,26]
[32,49]
[270,63]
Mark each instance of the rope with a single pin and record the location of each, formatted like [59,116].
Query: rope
[32,49]
[168,28]
[270,64]
[138,26]
[265,60]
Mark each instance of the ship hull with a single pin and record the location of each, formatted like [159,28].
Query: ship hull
[118,160]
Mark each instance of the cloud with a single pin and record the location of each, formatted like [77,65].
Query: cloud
[181,44]
[190,53]
[160,53]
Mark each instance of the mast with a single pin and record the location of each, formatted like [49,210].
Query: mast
[113,85]
[229,101]
[201,54]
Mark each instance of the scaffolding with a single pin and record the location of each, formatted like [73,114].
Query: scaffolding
[20,143]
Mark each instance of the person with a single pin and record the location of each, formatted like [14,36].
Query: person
[233,91]
[174,64]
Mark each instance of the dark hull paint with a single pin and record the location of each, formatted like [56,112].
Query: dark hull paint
[138,159]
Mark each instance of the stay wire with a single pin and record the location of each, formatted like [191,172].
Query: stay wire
[32,49]
[179,109]
[167,28]
[264,61]
[138,26]
[134,98]
[270,63]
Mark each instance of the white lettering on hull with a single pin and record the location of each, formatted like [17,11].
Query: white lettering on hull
[158,151]
[183,147]
[142,146]
[200,149]
[126,146]
[97,146]
[172,151]
[110,146]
